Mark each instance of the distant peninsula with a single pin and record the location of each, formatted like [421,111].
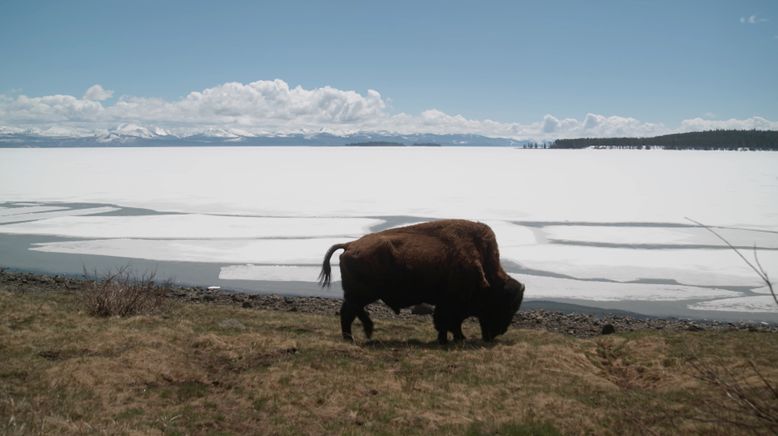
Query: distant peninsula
[707,140]
[375,144]
[392,144]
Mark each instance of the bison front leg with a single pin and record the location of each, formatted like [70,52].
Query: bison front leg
[456,330]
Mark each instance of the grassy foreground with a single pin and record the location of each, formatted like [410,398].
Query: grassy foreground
[213,369]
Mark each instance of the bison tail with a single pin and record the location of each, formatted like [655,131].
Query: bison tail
[326,271]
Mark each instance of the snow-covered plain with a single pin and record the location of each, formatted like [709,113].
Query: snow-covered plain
[589,225]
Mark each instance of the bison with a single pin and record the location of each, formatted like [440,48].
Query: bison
[451,264]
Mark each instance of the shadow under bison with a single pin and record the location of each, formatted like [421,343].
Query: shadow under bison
[451,264]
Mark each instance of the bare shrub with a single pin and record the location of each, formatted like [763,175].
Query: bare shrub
[123,293]
[747,400]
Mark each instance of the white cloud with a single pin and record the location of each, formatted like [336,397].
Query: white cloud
[263,103]
[273,107]
[752,19]
[550,124]
[274,100]
[97,93]
[49,109]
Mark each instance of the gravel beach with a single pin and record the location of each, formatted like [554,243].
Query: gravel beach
[570,323]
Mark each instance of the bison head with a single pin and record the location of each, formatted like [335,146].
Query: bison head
[499,309]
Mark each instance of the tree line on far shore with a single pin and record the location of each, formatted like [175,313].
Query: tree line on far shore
[707,140]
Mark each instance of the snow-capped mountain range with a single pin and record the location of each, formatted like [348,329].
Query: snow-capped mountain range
[131,134]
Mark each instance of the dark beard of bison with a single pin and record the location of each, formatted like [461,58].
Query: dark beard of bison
[495,313]
[498,313]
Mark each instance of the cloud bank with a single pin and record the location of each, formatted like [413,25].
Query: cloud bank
[272,107]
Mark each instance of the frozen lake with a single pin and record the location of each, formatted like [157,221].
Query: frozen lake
[602,228]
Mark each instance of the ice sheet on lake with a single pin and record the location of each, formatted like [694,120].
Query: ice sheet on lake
[717,188]
[513,235]
[265,251]
[187,226]
[493,185]
[661,235]
[758,303]
[281,273]
[696,267]
[762,290]
[537,287]
[9,211]
[52,214]
[553,288]
[507,233]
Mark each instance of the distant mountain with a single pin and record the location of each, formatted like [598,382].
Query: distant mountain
[707,140]
[133,135]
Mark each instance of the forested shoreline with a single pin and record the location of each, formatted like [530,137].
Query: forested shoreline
[707,140]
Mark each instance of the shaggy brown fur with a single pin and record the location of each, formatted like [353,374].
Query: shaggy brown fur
[451,264]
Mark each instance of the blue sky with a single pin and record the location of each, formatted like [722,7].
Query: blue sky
[514,62]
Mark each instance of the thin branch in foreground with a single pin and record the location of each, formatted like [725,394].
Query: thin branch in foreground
[758,270]
[742,404]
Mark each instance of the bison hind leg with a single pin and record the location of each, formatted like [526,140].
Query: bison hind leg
[350,310]
[367,323]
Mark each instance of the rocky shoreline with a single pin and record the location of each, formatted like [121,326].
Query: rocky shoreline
[576,324]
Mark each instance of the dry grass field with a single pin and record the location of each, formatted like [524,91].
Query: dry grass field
[215,369]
